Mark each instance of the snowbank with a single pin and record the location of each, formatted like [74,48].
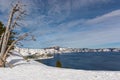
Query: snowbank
[36,71]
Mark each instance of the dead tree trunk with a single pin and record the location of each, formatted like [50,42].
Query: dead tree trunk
[1,40]
[7,33]
[12,22]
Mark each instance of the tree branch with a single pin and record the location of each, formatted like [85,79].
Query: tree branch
[19,38]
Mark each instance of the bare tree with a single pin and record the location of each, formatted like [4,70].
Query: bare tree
[16,14]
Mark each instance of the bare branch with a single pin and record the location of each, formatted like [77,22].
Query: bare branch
[20,38]
[15,22]
[21,13]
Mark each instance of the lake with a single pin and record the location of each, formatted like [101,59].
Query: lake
[87,60]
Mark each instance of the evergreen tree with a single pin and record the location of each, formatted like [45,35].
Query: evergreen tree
[12,34]
[2,28]
[58,64]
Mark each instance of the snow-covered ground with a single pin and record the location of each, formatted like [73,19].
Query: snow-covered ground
[33,70]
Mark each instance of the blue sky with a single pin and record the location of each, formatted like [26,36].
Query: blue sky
[70,23]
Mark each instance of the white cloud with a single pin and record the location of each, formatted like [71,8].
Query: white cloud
[106,32]
[67,25]
[90,38]
[59,10]
[95,36]
[104,18]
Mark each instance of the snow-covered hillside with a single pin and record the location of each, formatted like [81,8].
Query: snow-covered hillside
[36,71]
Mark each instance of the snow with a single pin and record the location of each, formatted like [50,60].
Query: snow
[33,70]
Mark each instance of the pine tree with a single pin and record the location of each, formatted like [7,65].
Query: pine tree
[12,34]
[2,28]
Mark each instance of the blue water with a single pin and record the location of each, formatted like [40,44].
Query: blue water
[87,61]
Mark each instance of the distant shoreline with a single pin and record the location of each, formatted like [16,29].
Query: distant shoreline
[54,50]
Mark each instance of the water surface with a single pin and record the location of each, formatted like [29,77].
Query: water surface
[87,61]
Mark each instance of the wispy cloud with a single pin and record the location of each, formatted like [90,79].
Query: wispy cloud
[106,17]
[99,34]
[59,22]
